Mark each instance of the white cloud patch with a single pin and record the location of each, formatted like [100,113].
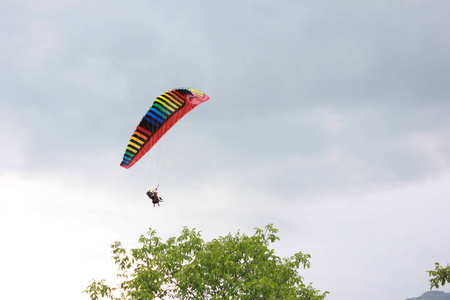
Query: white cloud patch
[431,147]
[377,237]
[44,40]
[333,121]
[14,140]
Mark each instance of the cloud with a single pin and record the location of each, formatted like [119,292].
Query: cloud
[15,140]
[329,120]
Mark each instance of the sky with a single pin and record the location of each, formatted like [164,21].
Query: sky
[329,119]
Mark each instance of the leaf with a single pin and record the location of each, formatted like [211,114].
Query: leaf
[186,267]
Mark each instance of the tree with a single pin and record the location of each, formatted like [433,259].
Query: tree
[230,267]
[441,276]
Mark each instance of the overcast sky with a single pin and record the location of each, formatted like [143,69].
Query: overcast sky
[329,119]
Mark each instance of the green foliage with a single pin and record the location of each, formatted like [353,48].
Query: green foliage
[440,275]
[230,267]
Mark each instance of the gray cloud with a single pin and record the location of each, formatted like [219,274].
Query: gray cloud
[328,119]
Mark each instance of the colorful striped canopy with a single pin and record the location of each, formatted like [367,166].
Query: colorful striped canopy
[162,115]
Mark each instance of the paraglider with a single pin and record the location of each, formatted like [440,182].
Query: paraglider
[164,113]
[153,195]
[166,110]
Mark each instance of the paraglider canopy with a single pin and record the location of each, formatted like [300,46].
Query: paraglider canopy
[165,112]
